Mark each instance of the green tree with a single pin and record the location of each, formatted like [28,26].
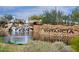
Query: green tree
[75,15]
[8,17]
[52,17]
[35,17]
[47,17]
[5,19]
[66,19]
[59,17]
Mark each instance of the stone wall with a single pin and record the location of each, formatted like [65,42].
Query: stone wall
[3,32]
[48,35]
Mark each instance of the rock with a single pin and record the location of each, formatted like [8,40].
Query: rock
[3,32]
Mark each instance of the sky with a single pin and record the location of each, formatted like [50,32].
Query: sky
[23,12]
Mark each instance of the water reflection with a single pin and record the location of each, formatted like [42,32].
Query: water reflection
[17,39]
[18,36]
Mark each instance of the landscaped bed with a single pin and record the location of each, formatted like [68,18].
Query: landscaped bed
[37,46]
[1,39]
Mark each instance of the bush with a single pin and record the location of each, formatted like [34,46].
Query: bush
[61,47]
[75,43]
[41,46]
[1,39]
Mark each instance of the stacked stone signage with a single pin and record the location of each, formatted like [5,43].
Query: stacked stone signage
[55,32]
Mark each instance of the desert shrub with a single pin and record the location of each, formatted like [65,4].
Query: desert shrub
[42,46]
[75,43]
[67,49]
[61,47]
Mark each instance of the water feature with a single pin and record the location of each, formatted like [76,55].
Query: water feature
[18,36]
[17,39]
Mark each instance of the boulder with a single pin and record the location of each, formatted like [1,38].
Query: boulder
[3,32]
